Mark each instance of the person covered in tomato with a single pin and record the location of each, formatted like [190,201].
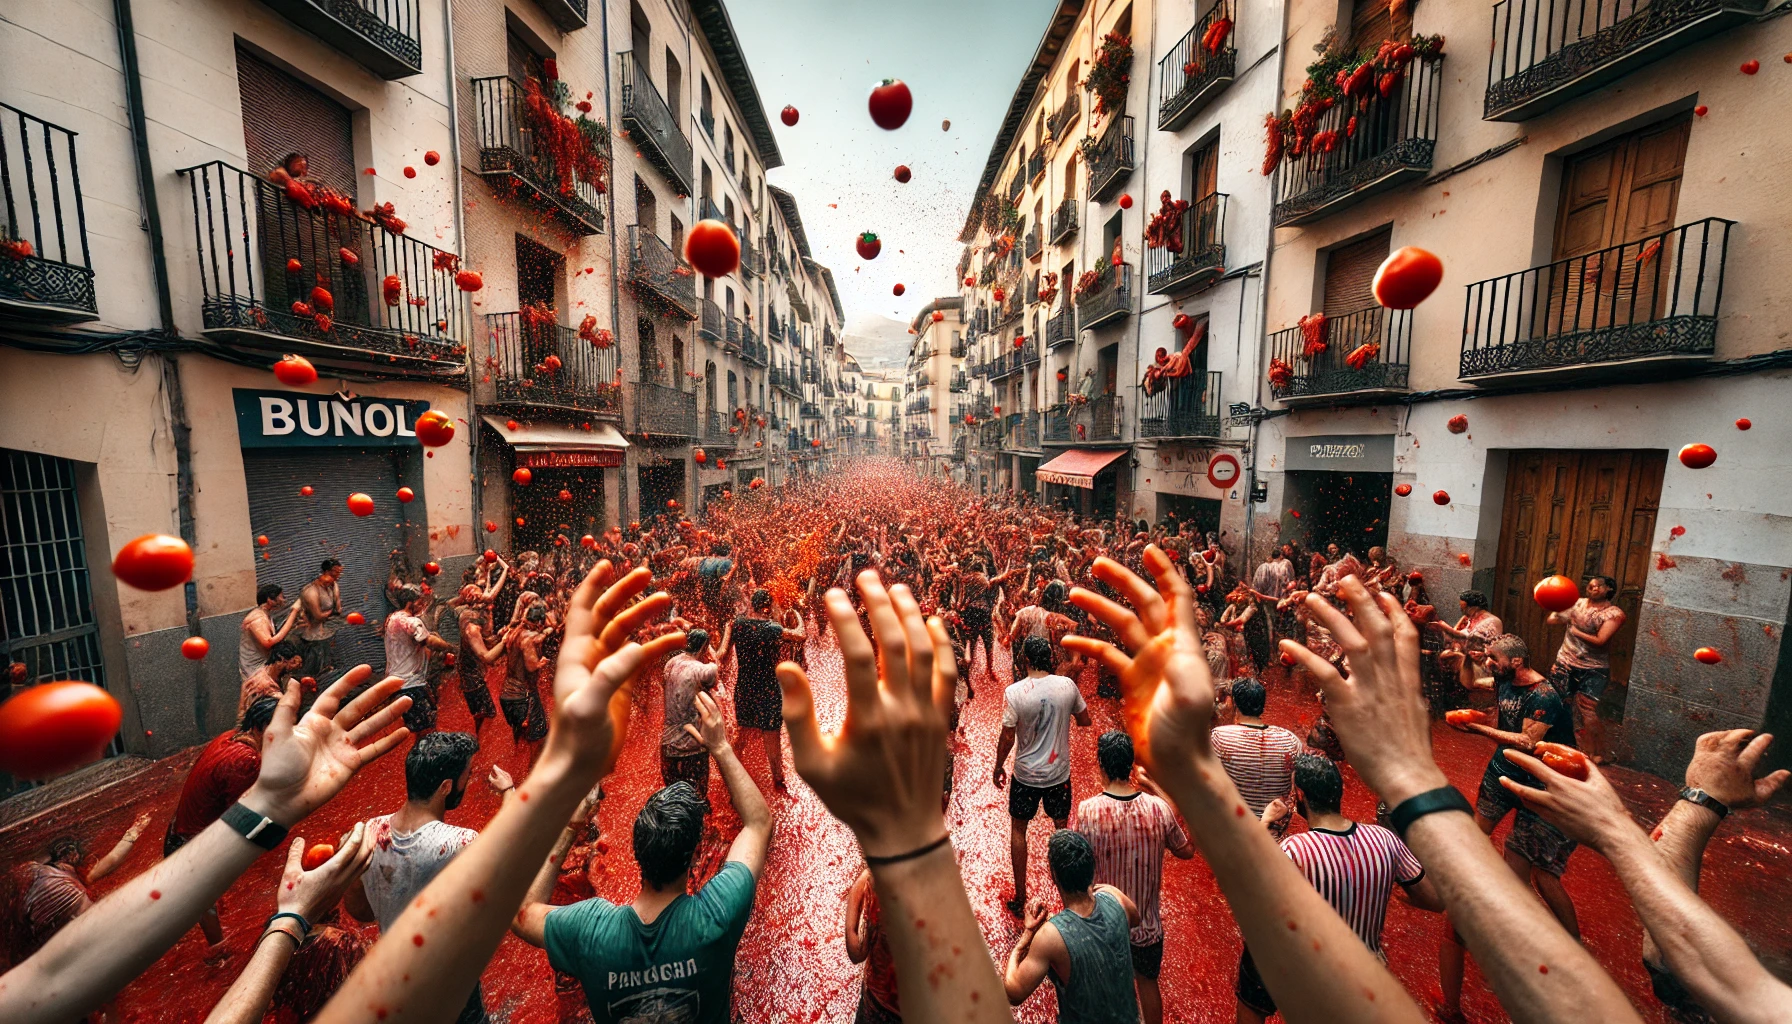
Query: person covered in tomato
[520,697]
[270,680]
[1583,665]
[476,653]
[225,770]
[1037,710]
[45,894]
[1530,712]
[320,616]
[257,636]
[756,638]
[1085,949]
[409,641]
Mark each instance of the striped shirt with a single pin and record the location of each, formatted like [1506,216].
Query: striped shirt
[1260,760]
[1130,835]
[1355,871]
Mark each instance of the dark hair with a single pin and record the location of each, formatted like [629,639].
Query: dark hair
[1037,651]
[1072,860]
[536,613]
[435,758]
[695,640]
[1610,584]
[762,599]
[667,832]
[1114,751]
[1056,596]
[721,547]
[66,850]
[267,592]
[1473,598]
[329,563]
[284,650]
[1319,781]
[257,715]
[1249,696]
[408,595]
[1511,645]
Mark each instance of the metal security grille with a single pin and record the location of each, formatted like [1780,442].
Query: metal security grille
[46,601]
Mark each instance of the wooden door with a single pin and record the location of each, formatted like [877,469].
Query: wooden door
[1620,194]
[1578,514]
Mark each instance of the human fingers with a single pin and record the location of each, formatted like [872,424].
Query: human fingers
[331,698]
[886,626]
[1539,800]
[381,747]
[661,646]
[580,617]
[1141,595]
[1370,619]
[617,631]
[295,856]
[919,642]
[807,748]
[1751,750]
[1121,619]
[1331,683]
[1342,629]
[1175,591]
[857,654]
[370,698]
[945,666]
[379,721]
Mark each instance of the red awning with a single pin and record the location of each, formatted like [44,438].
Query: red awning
[1078,466]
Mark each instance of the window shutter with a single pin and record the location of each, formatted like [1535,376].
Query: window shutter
[283,115]
[1350,274]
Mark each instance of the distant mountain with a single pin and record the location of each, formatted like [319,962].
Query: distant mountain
[878,342]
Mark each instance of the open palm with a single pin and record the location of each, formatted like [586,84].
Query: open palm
[306,760]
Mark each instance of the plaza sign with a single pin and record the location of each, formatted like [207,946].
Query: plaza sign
[295,419]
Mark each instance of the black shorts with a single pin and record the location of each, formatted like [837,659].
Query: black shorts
[1540,843]
[421,715]
[1585,682]
[1250,990]
[1148,961]
[479,698]
[1493,802]
[1024,800]
[527,721]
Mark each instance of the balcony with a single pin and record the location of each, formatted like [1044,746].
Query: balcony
[1392,144]
[1061,328]
[1035,165]
[750,265]
[731,333]
[660,276]
[957,350]
[1192,73]
[512,163]
[1104,418]
[652,128]
[1015,185]
[1108,300]
[379,35]
[1064,221]
[752,350]
[1023,431]
[960,383]
[46,270]
[1065,115]
[1110,160]
[1004,366]
[710,324]
[568,14]
[793,440]
[1034,245]
[266,262]
[811,411]
[1194,255]
[1648,307]
[1029,353]
[1362,355]
[1186,407]
[717,430]
[583,378]
[707,119]
[1057,424]
[1547,52]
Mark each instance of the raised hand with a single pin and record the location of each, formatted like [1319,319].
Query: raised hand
[713,733]
[312,894]
[594,679]
[1587,812]
[499,781]
[1724,765]
[306,760]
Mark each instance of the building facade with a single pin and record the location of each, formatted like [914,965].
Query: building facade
[935,432]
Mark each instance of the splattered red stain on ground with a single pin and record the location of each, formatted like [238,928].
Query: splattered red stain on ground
[793,966]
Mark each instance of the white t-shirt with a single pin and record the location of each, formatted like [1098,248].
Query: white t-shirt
[406,655]
[1039,711]
[406,862]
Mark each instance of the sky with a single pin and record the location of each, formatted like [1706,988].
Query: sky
[962,60]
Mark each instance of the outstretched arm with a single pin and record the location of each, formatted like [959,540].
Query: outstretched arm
[755,817]
[116,856]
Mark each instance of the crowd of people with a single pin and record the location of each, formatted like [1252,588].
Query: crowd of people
[919,585]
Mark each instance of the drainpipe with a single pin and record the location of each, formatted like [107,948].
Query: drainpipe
[1269,251]
[475,485]
[603,10]
[180,429]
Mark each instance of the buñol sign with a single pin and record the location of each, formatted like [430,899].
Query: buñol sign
[295,419]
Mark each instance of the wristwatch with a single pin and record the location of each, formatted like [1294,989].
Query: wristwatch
[254,826]
[1705,800]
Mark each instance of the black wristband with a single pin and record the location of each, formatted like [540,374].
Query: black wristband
[254,826]
[304,925]
[1443,798]
[920,851]
[1694,795]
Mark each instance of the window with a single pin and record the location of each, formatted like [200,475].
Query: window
[1070,177]
[646,208]
[1350,273]
[283,115]
[1373,22]
[640,33]
[1110,235]
[649,352]
[524,61]
[674,82]
[677,236]
[709,387]
[1200,170]
[678,378]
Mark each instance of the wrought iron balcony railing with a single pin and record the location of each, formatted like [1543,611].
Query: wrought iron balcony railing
[811,411]
[1197,68]
[1104,418]
[710,325]
[1547,52]
[1060,329]
[46,269]
[1023,431]
[1195,254]
[380,35]
[1029,352]
[749,258]
[752,350]
[1358,354]
[1648,303]
[1015,185]
[1110,161]
[1393,142]
[1034,245]
[283,275]
[1064,221]
[1183,407]
[960,382]
[1057,423]
[716,430]
[515,163]
[958,348]
[651,126]
[1065,115]
[568,14]
[657,271]
[1108,299]
[708,210]
[1036,165]
[579,375]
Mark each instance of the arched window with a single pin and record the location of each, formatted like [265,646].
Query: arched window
[649,352]
[709,386]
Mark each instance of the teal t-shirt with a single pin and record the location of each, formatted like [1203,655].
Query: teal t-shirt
[680,967]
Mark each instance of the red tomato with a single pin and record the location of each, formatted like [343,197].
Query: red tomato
[490,555]
[1403,489]
[1407,277]
[322,300]
[1441,497]
[317,856]
[349,256]
[434,429]
[432,158]
[890,104]
[672,503]
[194,648]
[262,540]
[154,561]
[406,495]
[324,323]
[903,173]
[1701,110]
[1556,593]
[1707,656]
[564,495]
[1697,456]
[869,246]
[1749,67]
[899,289]
[355,619]
[295,372]
[522,476]
[1564,760]
[1126,200]
[713,248]
[1462,716]
[410,172]
[293,266]
[1744,423]
[700,455]
[938,316]
[970,282]
[306,491]
[491,527]
[587,542]
[52,728]
[432,568]
[1458,424]
[469,280]
[360,504]
[789,116]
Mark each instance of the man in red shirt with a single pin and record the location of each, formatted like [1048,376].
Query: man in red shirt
[226,768]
